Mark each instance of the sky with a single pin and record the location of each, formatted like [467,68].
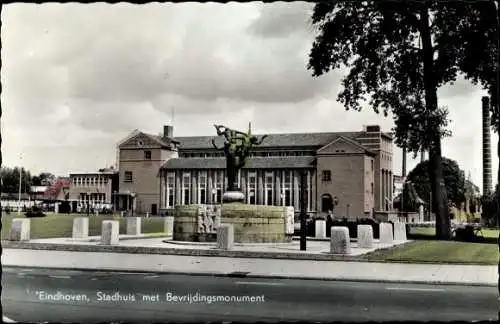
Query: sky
[78,78]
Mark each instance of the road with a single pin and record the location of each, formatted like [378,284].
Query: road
[26,292]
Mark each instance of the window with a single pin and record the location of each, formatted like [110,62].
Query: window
[269,191]
[308,192]
[202,187]
[217,190]
[326,175]
[252,188]
[147,155]
[128,176]
[372,188]
[186,188]
[170,189]
[287,188]
[372,165]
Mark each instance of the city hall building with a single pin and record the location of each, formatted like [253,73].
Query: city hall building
[349,173]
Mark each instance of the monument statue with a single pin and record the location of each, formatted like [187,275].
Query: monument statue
[237,148]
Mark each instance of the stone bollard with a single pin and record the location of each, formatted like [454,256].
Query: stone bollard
[20,229]
[80,227]
[168,225]
[133,226]
[225,237]
[110,232]
[365,236]
[340,242]
[386,234]
[320,228]
[399,231]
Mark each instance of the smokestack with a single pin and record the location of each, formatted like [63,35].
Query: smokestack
[487,172]
[404,162]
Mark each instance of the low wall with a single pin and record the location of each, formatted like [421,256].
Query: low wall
[251,223]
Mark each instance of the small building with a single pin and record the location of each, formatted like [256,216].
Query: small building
[94,189]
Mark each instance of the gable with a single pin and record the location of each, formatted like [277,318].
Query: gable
[140,140]
[342,145]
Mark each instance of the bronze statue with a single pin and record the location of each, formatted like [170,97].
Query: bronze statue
[237,148]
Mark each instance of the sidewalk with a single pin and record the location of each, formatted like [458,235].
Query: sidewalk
[254,267]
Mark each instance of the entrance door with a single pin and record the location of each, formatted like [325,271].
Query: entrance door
[154,209]
[326,203]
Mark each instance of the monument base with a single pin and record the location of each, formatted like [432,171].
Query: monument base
[233,197]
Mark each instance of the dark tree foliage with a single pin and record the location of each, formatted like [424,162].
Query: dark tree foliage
[454,180]
[398,53]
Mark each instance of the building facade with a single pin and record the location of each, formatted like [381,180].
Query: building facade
[93,189]
[347,172]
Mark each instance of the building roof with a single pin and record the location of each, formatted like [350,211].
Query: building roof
[252,163]
[272,140]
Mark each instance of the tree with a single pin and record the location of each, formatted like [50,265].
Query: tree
[480,61]
[10,180]
[454,180]
[44,179]
[398,54]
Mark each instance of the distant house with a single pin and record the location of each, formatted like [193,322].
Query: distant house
[38,192]
[58,190]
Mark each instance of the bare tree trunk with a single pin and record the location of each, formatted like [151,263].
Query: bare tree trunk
[438,188]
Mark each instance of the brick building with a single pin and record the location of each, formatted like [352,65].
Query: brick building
[94,189]
[353,169]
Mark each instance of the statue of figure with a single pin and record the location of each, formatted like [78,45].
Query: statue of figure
[237,148]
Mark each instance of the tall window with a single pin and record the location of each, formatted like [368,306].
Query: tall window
[147,155]
[202,187]
[186,188]
[269,189]
[308,192]
[170,189]
[218,185]
[326,175]
[252,187]
[287,188]
[128,176]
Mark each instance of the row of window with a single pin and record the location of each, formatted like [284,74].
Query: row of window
[93,197]
[254,154]
[287,196]
[89,181]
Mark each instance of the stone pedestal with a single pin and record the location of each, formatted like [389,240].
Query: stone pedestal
[340,242]
[399,231]
[80,227]
[320,228]
[233,197]
[365,236]
[168,225]
[386,234]
[20,229]
[133,226]
[110,232]
[225,237]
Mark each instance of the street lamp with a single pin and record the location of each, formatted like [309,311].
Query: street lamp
[133,202]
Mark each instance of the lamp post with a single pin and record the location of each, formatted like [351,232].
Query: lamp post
[497,94]
[335,203]
[20,186]
[133,202]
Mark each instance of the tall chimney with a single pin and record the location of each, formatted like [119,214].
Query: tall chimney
[168,131]
[487,172]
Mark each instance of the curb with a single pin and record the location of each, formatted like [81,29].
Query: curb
[280,277]
[183,252]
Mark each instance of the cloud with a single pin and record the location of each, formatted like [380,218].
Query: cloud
[77,78]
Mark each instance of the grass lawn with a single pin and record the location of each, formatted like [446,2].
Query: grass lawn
[431,231]
[439,252]
[61,225]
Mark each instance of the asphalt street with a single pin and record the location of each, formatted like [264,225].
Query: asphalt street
[63,295]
